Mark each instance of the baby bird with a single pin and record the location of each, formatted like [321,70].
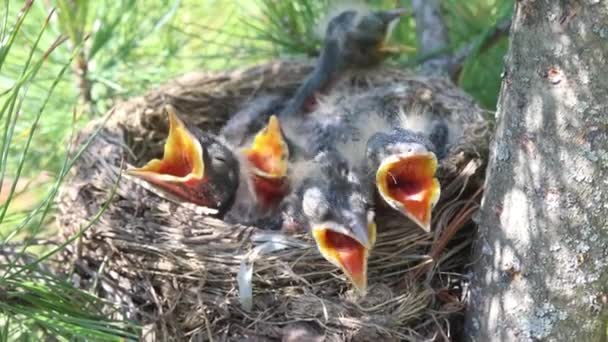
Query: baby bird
[353,39]
[404,163]
[330,201]
[196,167]
[208,171]
[396,151]
[263,172]
[255,136]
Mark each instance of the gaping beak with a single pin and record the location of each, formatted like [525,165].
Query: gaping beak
[348,249]
[268,156]
[407,183]
[181,171]
[390,19]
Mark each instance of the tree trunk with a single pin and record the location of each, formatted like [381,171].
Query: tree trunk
[541,270]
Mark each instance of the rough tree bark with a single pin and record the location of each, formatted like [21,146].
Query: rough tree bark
[541,272]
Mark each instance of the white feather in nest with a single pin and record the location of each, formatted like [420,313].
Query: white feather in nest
[266,243]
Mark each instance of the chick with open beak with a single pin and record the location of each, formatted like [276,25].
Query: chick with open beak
[362,37]
[332,204]
[195,167]
[267,160]
[404,164]
[353,39]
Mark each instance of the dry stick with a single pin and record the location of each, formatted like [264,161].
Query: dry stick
[453,227]
[81,70]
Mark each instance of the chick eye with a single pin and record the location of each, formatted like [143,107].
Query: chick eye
[218,162]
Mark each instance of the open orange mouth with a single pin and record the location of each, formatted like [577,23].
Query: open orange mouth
[268,157]
[408,184]
[181,169]
[345,252]
[269,191]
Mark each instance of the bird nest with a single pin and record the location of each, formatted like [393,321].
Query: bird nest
[184,274]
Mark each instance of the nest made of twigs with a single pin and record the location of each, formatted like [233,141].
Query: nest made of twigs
[174,269]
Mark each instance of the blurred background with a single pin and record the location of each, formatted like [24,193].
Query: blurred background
[65,62]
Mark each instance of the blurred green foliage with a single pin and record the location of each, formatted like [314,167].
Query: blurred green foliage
[35,303]
[65,62]
[292,29]
[469,22]
[132,45]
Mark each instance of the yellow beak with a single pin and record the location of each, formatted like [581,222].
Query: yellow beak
[268,157]
[340,248]
[181,166]
[407,183]
[268,153]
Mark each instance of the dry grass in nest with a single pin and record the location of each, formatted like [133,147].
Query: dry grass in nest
[174,269]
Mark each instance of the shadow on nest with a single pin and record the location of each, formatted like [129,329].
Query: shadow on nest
[174,270]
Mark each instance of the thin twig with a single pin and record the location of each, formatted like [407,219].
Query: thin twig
[475,47]
[434,45]
[456,223]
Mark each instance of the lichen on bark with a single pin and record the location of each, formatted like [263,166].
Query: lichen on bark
[541,252]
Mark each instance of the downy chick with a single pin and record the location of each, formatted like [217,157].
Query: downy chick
[196,167]
[209,171]
[353,39]
[398,151]
[264,181]
[331,202]
[403,165]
